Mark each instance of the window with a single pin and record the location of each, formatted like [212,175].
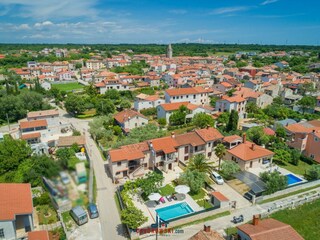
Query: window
[209,154]
[1,233]
[312,156]
[209,144]
[316,139]
[194,96]
[117,173]
[118,163]
[186,149]
[186,158]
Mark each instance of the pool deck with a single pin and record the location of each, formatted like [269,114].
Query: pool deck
[151,213]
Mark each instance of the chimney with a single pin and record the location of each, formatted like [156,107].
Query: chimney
[253,145]
[172,135]
[255,220]
[244,138]
[150,145]
[206,227]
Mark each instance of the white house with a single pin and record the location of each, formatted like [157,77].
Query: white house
[228,104]
[143,101]
[129,119]
[195,95]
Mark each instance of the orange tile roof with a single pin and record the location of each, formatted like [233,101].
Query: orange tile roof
[246,152]
[70,140]
[269,229]
[269,131]
[203,235]
[15,199]
[126,114]
[185,91]
[226,84]
[129,152]
[190,138]
[220,196]
[30,136]
[173,106]
[304,127]
[231,138]
[165,144]
[209,134]
[52,112]
[234,99]
[38,235]
[33,124]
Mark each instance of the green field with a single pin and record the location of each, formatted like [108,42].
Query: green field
[304,219]
[68,86]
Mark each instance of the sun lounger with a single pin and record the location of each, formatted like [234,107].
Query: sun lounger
[169,198]
[162,200]
[174,197]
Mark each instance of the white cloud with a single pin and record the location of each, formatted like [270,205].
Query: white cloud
[44,9]
[268,2]
[178,11]
[229,10]
[43,24]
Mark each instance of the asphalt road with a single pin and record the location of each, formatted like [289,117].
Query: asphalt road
[111,227]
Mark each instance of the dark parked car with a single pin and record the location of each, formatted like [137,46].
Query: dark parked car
[93,211]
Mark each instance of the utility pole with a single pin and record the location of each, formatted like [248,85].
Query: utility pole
[8,121]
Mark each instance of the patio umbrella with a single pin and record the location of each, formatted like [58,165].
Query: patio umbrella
[182,189]
[154,196]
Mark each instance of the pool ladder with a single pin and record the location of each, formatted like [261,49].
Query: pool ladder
[184,205]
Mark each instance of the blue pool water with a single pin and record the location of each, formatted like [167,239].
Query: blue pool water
[174,211]
[292,179]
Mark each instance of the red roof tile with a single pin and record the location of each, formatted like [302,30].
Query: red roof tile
[38,235]
[126,114]
[220,196]
[30,136]
[15,199]
[209,134]
[248,151]
[33,124]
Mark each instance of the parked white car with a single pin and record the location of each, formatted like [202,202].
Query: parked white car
[217,178]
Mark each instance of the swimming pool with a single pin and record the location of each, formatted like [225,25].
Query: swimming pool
[293,179]
[174,211]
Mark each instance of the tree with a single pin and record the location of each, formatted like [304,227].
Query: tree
[74,104]
[229,168]
[78,65]
[230,92]
[151,183]
[200,163]
[295,156]
[233,121]
[178,117]
[202,120]
[194,179]
[105,107]
[258,136]
[313,173]
[220,152]
[274,181]
[117,130]
[278,101]
[307,102]
[281,131]
[12,154]
[162,122]
[112,94]
[213,101]
[100,127]
[251,107]
[125,104]
[133,217]
[223,118]
[282,155]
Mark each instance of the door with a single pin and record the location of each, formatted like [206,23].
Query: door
[170,166]
[251,164]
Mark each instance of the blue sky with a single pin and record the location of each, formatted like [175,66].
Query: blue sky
[160,21]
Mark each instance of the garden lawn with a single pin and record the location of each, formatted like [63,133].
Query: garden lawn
[304,219]
[166,190]
[47,215]
[67,219]
[204,203]
[68,86]
[199,195]
[300,169]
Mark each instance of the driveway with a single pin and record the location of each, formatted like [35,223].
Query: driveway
[88,231]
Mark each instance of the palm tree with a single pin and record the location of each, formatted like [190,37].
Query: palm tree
[199,163]
[220,151]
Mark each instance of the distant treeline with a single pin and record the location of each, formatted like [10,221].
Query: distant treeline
[187,49]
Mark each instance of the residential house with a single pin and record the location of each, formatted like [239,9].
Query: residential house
[163,153]
[129,119]
[227,104]
[267,229]
[94,64]
[165,110]
[51,116]
[144,101]
[108,84]
[304,136]
[16,210]
[195,95]
[249,155]
[154,81]
[223,87]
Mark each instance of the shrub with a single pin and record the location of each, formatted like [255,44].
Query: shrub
[313,173]
[44,199]
[149,111]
